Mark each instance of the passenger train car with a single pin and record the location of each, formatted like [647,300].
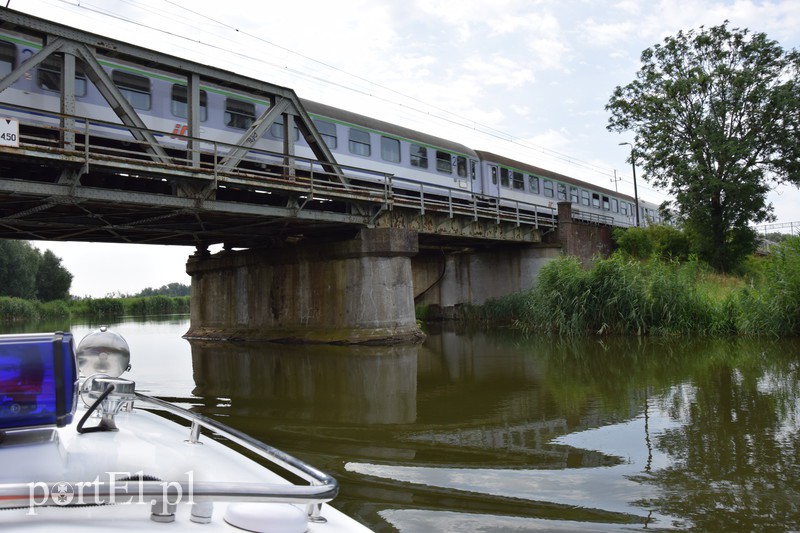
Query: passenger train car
[415,160]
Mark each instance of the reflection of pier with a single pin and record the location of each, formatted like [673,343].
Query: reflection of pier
[350,384]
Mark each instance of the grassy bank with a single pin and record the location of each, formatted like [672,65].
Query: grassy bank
[625,296]
[17,309]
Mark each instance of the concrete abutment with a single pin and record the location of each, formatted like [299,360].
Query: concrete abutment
[357,291]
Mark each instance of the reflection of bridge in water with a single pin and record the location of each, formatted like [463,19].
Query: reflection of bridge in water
[454,399]
[525,438]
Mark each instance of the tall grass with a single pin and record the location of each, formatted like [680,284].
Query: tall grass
[619,296]
[625,296]
[772,307]
[18,309]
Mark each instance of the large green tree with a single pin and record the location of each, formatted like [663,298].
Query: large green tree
[27,273]
[716,118]
[19,262]
[53,281]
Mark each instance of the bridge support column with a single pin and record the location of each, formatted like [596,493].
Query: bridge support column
[352,292]
[446,281]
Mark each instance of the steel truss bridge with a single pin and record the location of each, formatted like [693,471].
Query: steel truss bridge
[65,183]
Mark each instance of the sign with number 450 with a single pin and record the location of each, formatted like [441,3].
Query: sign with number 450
[9,132]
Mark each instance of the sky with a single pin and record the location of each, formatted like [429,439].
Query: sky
[528,79]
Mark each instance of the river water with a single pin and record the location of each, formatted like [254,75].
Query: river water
[475,432]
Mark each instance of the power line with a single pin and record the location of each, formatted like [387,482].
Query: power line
[441,114]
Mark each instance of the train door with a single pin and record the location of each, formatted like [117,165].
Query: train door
[490,180]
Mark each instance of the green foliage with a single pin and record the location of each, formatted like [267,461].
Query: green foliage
[772,307]
[104,307]
[620,296]
[172,289]
[20,310]
[19,262]
[156,305]
[27,273]
[662,241]
[17,309]
[52,279]
[716,114]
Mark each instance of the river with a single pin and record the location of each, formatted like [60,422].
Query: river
[475,432]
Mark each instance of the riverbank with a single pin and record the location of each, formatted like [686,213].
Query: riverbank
[18,309]
[625,296]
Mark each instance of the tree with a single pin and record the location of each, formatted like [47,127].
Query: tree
[716,118]
[53,281]
[26,273]
[19,262]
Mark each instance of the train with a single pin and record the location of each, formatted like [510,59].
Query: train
[416,161]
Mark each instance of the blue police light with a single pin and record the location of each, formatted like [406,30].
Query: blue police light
[38,380]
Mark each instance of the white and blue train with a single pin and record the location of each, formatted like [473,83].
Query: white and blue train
[414,159]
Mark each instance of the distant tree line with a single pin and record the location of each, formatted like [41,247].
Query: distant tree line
[171,289]
[28,273]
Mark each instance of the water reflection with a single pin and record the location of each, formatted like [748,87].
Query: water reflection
[532,433]
[342,384]
[493,432]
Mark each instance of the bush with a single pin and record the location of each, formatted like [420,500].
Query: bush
[665,242]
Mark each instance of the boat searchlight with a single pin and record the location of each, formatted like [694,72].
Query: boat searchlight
[102,357]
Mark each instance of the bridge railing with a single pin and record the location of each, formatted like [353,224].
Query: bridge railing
[424,197]
[113,147]
[592,218]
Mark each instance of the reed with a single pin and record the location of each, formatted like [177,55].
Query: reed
[772,306]
[620,296]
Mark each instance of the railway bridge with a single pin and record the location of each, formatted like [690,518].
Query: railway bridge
[312,250]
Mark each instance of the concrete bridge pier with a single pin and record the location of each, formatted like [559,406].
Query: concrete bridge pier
[356,291]
[445,281]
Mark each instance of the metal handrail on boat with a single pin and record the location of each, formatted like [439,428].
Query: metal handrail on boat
[322,488]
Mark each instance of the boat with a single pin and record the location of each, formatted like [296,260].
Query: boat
[82,449]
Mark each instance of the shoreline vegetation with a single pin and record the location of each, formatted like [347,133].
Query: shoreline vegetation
[19,309]
[657,296]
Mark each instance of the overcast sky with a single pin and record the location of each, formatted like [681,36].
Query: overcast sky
[524,78]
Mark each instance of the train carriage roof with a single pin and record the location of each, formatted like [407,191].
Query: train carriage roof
[323,110]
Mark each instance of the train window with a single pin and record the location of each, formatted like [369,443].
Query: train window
[180,103]
[548,188]
[444,162]
[595,200]
[562,192]
[390,149]
[135,89]
[504,180]
[238,114]
[48,76]
[419,156]
[606,205]
[494,175]
[8,53]
[614,205]
[473,169]
[461,166]
[276,130]
[623,208]
[533,184]
[328,132]
[517,181]
[573,195]
[359,143]
[584,197]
